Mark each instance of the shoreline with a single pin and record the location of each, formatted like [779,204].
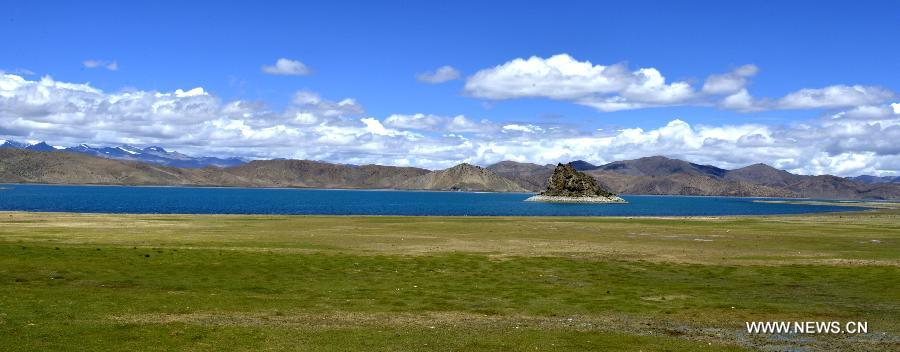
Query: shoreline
[852,211]
[577,200]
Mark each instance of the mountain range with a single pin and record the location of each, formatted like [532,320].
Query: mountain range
[31,166]
[153,154]
[661,175]
[650,175]
[876,179]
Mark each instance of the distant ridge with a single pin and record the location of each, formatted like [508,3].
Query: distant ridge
[463,177]
[41,147]
[581,165]
[28,166]
[876,179]
[152,155]
[660,166]
[12,144]
[532,177]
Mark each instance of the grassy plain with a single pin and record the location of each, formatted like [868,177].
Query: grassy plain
[331,283]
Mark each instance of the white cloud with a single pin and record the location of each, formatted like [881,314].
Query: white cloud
[868,112]
[561,77]
[428,122]
[861,140]
[557,77]
[615,87]
[526,128]
[311,101]
[731,82]
[441,75]
[862,100]
[741,101]
[374,126]
[837,96]
[460,123]
[415,121]
[287,67]
[109,65]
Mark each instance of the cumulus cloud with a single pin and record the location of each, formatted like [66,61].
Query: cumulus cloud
[616,87]
[561,77]
[870,112]
[440,75]
[428,122]
[603,87]
[311,101]
[860,98]
[731,82]
[415,121]
[859,140]
[837,96]
[523,128]
[287,67]
[191,120]
[109,65]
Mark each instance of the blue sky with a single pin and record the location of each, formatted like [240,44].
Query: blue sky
[372,51]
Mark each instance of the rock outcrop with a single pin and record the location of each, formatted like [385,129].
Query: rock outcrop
[568,185]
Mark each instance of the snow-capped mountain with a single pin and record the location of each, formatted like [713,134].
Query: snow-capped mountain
[152,154]
[12,144]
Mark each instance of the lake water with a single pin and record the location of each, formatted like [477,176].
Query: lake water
[189,200]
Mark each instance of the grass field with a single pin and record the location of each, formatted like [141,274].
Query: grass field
[187,282]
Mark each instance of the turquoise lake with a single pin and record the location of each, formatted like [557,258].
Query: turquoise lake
[194,200]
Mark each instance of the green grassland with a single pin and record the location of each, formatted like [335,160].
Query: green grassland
[331,283]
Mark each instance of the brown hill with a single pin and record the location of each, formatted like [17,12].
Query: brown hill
[463,177]
[684,184]
[315,174]
[532,177]
[763,174]
[660,166]
[822,186]
[23,166]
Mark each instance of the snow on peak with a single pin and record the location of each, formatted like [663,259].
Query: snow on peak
[128,149]
[155,149]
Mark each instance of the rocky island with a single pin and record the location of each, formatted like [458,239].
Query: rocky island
[568,185]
